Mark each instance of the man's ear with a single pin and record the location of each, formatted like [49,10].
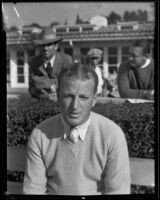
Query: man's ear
[56,46]
[94,100]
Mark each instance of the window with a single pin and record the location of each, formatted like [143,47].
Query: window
[112,59]
[125,53]
[87,29]
[31,54]
[61,30]
[74,30]
[20,66]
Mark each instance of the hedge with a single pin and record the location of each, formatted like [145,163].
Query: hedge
[136,120]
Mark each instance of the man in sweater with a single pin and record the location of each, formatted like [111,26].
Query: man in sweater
[136,76]
[45,68]
[77,152]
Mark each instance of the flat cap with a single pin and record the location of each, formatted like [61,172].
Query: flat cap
[94,52]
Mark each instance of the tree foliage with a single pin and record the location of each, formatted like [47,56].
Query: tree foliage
[113,18]
[139,15]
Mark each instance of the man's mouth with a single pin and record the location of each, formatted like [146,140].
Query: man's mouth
[73,114]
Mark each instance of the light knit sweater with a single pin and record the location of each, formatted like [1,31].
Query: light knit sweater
[97,165]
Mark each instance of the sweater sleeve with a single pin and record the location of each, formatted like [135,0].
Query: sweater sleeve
[35,172]
[117,169]
[124,88]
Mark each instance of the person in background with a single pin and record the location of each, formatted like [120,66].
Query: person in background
[94,56]
[45,68]
[77,152]
[136,75]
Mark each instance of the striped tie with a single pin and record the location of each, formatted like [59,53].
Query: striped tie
[74,135]
[49,69]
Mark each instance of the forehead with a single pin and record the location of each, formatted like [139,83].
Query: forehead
[136,50]
[77,85]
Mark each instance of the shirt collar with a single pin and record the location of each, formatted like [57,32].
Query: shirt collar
[51,61]
[146,63]
[82,129]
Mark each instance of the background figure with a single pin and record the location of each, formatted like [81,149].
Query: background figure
[45,68]
[136,76]
[77,152]
[94,57]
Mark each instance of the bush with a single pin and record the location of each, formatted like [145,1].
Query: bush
[23,115]
[136,120]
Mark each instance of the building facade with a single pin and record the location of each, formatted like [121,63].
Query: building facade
[113,40]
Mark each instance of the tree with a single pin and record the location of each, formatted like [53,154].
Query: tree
[78,20]
[113,18]
[139,15]
[55,23]
[66,22]
[36,25]
[13,29]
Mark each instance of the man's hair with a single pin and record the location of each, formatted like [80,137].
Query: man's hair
[78,71]
[144,45]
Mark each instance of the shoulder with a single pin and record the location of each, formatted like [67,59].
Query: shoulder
[63,55]
[124,65]
[37,60]
[105,124]
[109,133]
[46,127]
[124,68]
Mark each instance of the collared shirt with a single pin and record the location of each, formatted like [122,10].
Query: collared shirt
[51,61]
[82,129]
[100,79]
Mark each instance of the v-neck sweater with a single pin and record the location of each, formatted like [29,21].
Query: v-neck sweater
[97,165]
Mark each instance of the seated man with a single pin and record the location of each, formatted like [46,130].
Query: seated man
[136,76]
[77,152]
[45,68]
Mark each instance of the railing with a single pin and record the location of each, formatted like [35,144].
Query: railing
[142,170]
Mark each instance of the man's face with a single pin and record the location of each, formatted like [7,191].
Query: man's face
[136,58]
[94,61]
[48,50]
[76,98]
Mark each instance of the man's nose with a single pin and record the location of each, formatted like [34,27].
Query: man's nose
[75,103]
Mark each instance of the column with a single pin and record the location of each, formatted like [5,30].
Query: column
[105,62]
[13,68]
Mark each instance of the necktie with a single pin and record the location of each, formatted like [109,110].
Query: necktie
[49,69]
[74,135]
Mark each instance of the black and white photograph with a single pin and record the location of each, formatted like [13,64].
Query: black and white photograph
[81,98]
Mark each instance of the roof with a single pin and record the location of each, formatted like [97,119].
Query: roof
[109,33]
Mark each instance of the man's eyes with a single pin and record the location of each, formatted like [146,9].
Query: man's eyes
[70,96]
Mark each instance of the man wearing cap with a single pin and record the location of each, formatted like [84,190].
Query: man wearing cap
[94,56]
[45,68]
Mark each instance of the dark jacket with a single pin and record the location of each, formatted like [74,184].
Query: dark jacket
[136,83]
[37,69]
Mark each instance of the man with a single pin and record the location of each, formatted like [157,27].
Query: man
[136,76]
[94,56]
[77,152]
[45,68]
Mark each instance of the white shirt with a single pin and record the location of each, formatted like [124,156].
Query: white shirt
[100,80]
[51,61]
[81,129]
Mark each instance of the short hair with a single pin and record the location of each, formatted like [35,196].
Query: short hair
[79,71]
[144,45]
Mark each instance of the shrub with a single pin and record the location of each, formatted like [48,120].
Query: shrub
[136,120]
